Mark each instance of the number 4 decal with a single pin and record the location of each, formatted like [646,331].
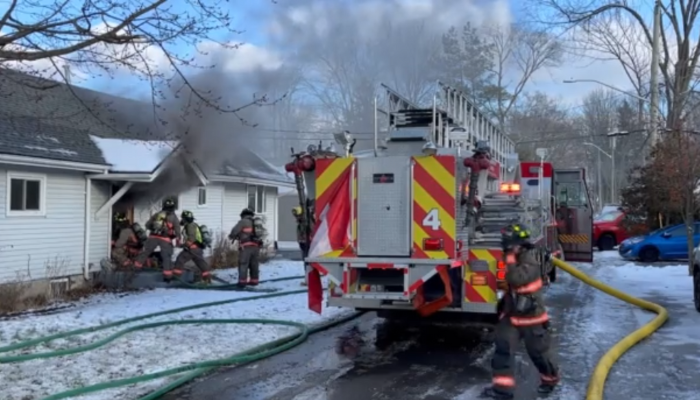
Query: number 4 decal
[432,219]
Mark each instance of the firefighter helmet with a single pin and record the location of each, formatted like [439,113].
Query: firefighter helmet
[247,212]
[515,234]
[187,216]
[297,211]
[168,204]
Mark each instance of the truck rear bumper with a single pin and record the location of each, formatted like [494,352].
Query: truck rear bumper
[349,290]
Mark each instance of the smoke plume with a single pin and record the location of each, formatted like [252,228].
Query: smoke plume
[209,132]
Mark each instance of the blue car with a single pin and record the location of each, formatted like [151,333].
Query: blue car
[668,243]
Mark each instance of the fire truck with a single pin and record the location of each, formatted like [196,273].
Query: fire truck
[413,225]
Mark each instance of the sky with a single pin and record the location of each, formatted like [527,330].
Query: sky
[254,19]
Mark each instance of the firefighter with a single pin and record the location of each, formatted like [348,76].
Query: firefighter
[302,237]
[248,249]
[164,226]
[522,314]
[193,244]
[126,244]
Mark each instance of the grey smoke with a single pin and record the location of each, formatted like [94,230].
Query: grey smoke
[348,47]
[210,135]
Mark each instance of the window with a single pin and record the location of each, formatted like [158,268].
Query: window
[608,216]
[571,193]
[256,198]
[677,232]
[202,197]
[26,194]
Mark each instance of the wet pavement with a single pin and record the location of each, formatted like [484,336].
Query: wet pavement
[452,363]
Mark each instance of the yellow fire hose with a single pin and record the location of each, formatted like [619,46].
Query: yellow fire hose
[596,384]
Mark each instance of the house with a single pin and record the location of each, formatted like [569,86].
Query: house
[68,162]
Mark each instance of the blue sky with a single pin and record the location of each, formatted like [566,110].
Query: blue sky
[251,14]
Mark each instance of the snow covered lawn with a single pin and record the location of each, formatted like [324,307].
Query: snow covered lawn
[151,350]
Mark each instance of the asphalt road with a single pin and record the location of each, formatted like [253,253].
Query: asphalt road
[394,362]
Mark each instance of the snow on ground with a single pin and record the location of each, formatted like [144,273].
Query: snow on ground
[662,366]
[151,350]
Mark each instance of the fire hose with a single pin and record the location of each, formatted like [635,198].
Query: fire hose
[596,384]
[195,369]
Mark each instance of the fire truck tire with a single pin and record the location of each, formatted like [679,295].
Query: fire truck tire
[596,384]
[696,287]
[606,242]
[194,370]
[649,254]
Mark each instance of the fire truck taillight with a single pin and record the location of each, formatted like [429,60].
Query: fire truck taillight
[501,272]
[432,244]
[510,188]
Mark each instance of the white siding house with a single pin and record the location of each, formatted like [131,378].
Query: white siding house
[61,178]
[56,220]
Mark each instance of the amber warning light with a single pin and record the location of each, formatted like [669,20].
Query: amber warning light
[510,188]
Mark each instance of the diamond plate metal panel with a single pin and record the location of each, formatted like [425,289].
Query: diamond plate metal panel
[384,199]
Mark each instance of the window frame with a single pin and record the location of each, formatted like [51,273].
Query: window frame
[26,176]
[203,189]
[258,189]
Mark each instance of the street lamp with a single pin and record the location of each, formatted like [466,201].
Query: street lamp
[611,87]
[600,172]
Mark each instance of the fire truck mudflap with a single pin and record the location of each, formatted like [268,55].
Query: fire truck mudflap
[389,235]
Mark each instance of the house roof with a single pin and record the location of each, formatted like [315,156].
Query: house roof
[47,119]
[134,156]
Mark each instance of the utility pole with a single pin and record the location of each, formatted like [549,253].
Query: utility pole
[654,84]
[600,183]
[613,189]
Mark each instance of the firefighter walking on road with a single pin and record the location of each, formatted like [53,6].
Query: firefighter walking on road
[302,236]
[194,241]
[248,249]
[522,315]
[164,226]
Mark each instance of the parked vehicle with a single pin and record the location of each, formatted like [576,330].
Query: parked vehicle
[668,243]
[608,230]
[607,208]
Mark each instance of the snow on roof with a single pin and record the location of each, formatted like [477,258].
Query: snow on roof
[130,155]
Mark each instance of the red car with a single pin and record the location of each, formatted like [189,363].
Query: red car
[608,230]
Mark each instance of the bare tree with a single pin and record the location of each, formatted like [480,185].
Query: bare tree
[599,117]
[540,121]
[616,36]
[679,42]
[519,52]
[102,36]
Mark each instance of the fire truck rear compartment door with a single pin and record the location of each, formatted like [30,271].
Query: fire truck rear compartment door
[383,206]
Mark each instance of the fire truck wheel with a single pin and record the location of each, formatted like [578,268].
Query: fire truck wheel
[649,254]
[606,242]
[696,288]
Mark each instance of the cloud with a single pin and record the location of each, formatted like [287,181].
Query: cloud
[245,57]
[320,18]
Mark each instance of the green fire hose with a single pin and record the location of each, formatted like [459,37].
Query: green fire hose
[195,369]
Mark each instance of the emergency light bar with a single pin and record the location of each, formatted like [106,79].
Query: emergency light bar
[510,188]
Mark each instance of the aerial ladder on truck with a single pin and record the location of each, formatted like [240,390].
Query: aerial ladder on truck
[413,225]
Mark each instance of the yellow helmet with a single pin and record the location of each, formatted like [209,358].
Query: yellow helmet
[297,210]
